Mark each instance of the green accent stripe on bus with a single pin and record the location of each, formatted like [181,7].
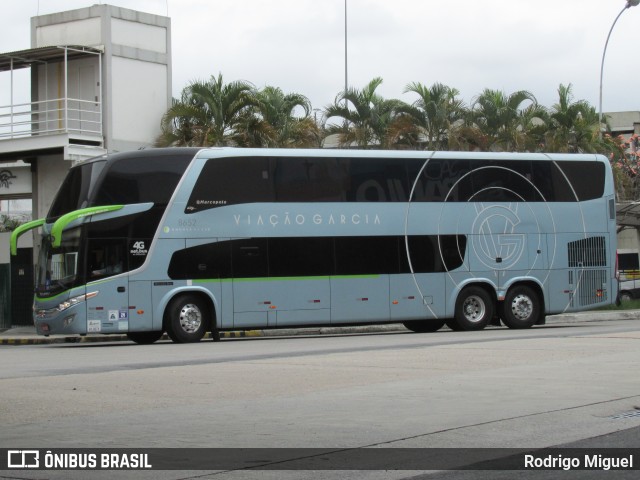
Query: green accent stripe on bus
[63,221]
[282,279]
[22,229]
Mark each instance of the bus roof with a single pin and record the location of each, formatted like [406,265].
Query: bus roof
[290,152]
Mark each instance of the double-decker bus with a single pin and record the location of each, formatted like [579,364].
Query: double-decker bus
[189,241]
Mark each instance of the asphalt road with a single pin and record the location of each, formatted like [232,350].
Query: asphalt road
[561,384]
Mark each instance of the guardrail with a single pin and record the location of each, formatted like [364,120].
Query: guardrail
[49,117]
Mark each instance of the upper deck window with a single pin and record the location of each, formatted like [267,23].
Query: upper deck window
[141,180]
[236,180]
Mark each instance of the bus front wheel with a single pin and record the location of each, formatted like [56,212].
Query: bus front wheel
[521,307]
[474,309]
[186,319]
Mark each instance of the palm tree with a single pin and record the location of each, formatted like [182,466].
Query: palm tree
[272,121]
[573,126]
[431,117]
[499,122]
[206,114]
[366,116]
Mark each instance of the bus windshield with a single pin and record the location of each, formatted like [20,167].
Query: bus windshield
[58,268]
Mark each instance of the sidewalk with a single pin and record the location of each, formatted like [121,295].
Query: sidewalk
[26,335]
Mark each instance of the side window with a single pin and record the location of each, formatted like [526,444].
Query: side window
[432,253]
[106,257]
[211,260]
[300,256]
[310,179]
[141,180]
[377,180]
[229,181]
[584,180]
[499,181]
[441,180]
[366,255]
[249,258]
[543,180]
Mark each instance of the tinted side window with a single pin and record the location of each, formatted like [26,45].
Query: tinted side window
[318,256]
[366,255]
[586,179]
[503,182]
[249,258]
[440,180]
[229,181]
[300,257]
[431,253]
[212,260]
[310,179]
[141,180]
[106,257]
[377,180]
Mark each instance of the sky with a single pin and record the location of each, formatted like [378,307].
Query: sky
[470,45]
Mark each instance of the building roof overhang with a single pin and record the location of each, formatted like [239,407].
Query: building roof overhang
[41,55]
[628,214]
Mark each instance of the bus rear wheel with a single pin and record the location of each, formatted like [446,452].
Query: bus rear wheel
[424,326]
[474,309]
[521,307]
[186,319]
[145,338]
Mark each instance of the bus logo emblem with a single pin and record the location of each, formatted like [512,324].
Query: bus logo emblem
[495,239]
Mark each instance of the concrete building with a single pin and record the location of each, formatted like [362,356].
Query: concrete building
[624,123]
[98,79]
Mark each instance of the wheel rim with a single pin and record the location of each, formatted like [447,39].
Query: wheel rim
[473,309]
[521,307]
[190,318]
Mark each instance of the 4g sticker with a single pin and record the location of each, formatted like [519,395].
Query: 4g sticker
[139,248]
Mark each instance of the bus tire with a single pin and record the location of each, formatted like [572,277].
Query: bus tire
[474,309]
[145,338]
[186,319]
[424,326]
[521,307]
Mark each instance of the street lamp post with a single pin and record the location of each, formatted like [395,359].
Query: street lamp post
[629,4]
[346,82]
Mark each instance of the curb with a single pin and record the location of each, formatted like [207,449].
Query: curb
[32,339]
[282,332]
[41,340]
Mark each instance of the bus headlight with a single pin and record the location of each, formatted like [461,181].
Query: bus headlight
[76,300]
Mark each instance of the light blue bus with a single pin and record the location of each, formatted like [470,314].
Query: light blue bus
[189,241]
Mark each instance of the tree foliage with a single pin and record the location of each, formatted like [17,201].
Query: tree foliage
[215,113]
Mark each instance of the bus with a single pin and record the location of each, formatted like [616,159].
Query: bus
[189,241]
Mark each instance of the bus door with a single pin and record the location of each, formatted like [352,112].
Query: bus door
[107,260]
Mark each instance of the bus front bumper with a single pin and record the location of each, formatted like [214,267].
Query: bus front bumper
[69,317]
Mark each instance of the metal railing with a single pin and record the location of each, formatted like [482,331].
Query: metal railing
[50,117]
